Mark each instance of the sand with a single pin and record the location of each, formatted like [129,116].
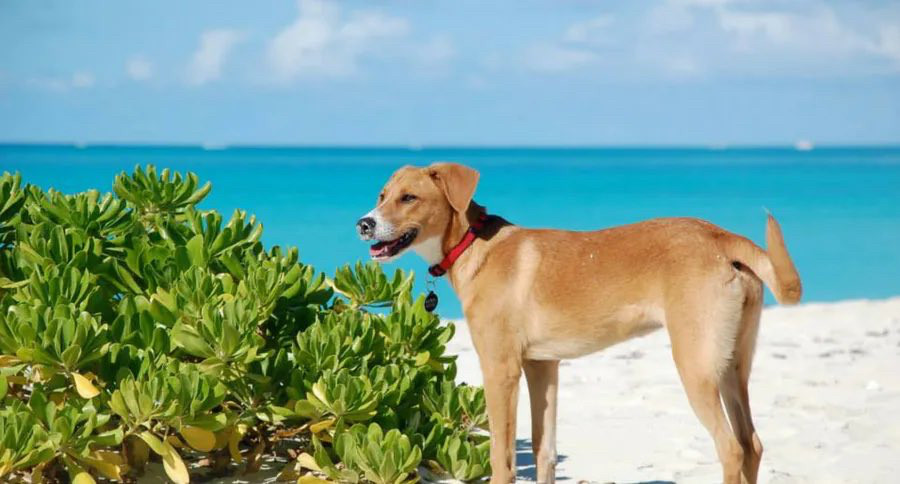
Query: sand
[825,392]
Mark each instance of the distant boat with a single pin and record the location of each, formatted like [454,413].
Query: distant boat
[804,145]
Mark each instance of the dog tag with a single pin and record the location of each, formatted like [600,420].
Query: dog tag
[431,301]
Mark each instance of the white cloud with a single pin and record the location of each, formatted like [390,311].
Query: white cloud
[681,66]
[816,35]
[82,79]
[805,37]
[681,39]
[889,42]
[437,51]
[78,80]
[210,56]
[667,18]
[321,42]
[811,31]
[556,58]
[702,3]
[139,68]
[576,48]
[590,31]
[48,83]
[476,81]
[432,58]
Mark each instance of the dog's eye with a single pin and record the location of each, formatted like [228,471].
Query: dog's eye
[408,198]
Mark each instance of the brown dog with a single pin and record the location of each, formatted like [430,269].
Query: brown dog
[533,297]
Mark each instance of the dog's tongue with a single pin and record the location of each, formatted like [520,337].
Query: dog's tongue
[382,248]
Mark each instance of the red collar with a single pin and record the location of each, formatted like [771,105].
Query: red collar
[442,267]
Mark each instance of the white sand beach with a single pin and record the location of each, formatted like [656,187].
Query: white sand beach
[825,393]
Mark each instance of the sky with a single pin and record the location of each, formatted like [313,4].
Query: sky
[451,72]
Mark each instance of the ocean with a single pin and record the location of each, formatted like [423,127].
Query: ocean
[839,207]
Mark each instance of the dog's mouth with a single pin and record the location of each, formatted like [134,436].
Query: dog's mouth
[389,248]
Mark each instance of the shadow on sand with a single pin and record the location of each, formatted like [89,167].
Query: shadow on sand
[527,470]
[525,466]
[650,482]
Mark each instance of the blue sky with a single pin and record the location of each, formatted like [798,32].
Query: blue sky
[417,72]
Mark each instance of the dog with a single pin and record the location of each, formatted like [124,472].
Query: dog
[533,297]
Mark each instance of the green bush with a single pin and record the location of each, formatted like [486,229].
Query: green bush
[135,327]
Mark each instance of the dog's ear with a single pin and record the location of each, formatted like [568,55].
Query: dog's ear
[457,181]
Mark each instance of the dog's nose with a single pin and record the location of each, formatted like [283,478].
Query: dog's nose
[366,226]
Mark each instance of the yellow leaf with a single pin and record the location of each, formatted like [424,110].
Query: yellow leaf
[311,479]
[319,392]
[321,425]
[43,373]
[154,442]
[37,474]
[109,456]
[16,379]
[174,466]
[200,439]
[84,386]
[8,360]
[175,442]
[37,374]
[290,472]
[222,438]
[233,440]
[109,464]
[309,462]
[83,478]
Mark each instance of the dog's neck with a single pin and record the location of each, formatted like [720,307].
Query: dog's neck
[435,249]
[467,263]
[459,224]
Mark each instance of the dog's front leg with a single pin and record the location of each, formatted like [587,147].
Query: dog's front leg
[543,378]
[502,371]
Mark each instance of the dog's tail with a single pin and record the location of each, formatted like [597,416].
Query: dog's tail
[774,265]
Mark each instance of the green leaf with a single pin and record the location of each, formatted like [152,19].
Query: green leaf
[136,314]
[196,248]
[110,438]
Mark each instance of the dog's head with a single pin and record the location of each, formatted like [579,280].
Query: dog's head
[415,208]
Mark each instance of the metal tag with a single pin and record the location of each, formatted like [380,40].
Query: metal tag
[431,301]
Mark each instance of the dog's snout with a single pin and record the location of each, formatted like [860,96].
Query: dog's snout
[366,226]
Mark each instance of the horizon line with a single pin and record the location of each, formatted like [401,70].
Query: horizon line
[800,145]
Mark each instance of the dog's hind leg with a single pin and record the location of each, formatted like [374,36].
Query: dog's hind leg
[735,380]
[703,394]
[543,381]
[737,403]
[702,343]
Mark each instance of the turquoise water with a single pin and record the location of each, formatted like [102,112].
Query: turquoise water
[839,207]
